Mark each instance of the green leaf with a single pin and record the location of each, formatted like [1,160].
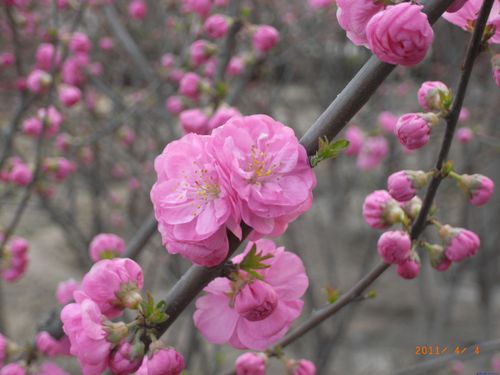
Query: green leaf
[328,150]
[332,295]
[447,168]
[253,261]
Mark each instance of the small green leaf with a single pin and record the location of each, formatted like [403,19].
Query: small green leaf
[253,261]
[332,295]
[371,294]
[447,168]
[328,150]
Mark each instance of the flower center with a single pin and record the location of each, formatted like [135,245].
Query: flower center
[259,164]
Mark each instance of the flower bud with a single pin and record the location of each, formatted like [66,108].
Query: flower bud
[460,243]
[403,185]
[478,188]
[409,269]
[380,210]
[256,301]
[434,95]
[355,137]
[116,331]
[302,367]
[265,38]
[464,135]
[251,363]
[394,247]
[165,361]
[122,361]
[414,129]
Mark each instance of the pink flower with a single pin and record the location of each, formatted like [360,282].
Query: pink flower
[210,68]
[372,153]
[304,367]
[164,361]
[6,59]
[320,4]
[13,369]
[83,324]
[53,120]
[32,126]
[192,203]
[190,86]
[413,130]
[21,174]
[403,185]
[464,115]
[235,66]
[256,313]
[355,136]
[380,210]
[106,246]
[122,361]
[353,16]
[200,52]
[72,72]
[394,246]
[429,95]
[114,284]
[387,121]
[464,135]
[251,364]
[69,95]
[267,168]
[65,290]
[49,368]
[52,347]
[478,188]
[466,17]
[216,26]
[408,270]
[194,121]
[174,105]
[223,115]
[460,243]
[38,81]
[265,38]
[167,60]
[400,34]
[44,57]
[456,6]
[79,43]
[137,9]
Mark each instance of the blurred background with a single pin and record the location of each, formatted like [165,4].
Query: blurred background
[121,124]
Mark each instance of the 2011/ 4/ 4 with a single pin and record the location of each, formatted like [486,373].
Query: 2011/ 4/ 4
[427,350]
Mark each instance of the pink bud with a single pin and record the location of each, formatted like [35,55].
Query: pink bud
[353,16]
[216,26]
[380,210]
[167,60]
[464,115]
[190,86]
[408,270]
[122,361]
[256,301]
[400,34]
[460,243]
[372,153]
[174,105]
[464,135]
[69,95]
[79,43]
[251,364]
[413,131]
[44,57]
[304,367]
[165,361]
[38,81]
[403,185]
[394,247]
[106,246]
[429,95]
[137,9]
[387,121]
[6,59]
[200,52]
[478,188]
[236,66]
[21,175]
[223,115]
[52,347]
[355,137]
[194,121]
[106,44]
[265,38]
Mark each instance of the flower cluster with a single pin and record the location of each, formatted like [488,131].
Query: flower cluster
[255,364]
[396,34]
[254,307]
[13,258]
[251,169]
